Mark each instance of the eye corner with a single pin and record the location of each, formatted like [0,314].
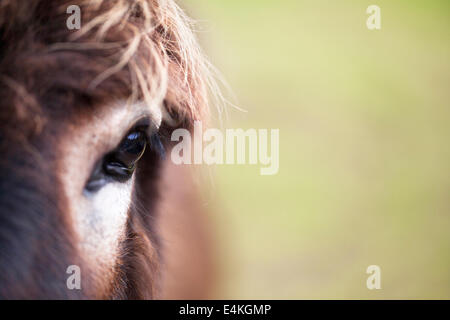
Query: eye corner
[156,145]
[93,185]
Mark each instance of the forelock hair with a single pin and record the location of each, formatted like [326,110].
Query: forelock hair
[133,49]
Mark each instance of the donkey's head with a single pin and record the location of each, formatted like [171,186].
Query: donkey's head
[84,118]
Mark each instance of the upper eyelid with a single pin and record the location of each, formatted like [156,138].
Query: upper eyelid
[143,124]
[144,121]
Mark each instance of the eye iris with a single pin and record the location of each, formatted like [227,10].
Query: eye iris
[121,163]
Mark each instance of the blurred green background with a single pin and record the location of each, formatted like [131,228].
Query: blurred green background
[364,123]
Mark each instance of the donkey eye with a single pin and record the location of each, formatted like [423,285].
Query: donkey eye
[121,163]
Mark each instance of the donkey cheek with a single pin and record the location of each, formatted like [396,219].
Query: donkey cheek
[101,224]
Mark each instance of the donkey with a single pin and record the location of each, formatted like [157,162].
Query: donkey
[85,179]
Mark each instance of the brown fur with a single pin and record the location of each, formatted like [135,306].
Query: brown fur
[51,77]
